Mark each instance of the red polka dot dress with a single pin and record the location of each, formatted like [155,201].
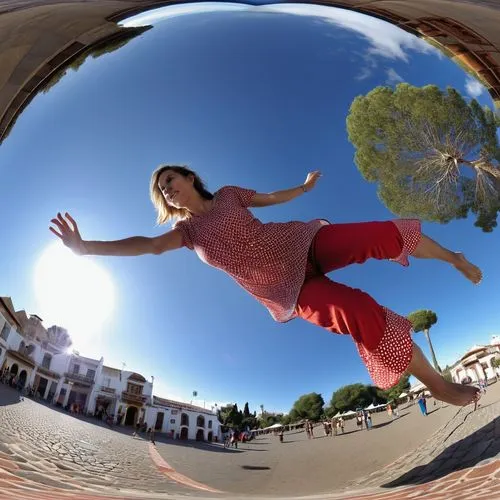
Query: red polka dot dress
[284,266]
[268,260]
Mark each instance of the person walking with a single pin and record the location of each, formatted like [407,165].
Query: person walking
[422,403]
[284,265]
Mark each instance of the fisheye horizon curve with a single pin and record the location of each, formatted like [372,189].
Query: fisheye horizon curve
[51,450]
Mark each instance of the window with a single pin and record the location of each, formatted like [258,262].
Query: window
[134,389]
[200,421]
[209,424]
[108,382]
[47,358]
[185,419]
[76,369]
[5,331]
[90,373]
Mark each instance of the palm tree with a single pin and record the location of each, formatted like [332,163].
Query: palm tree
[422,321]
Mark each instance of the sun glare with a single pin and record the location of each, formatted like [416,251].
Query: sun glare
[73,292]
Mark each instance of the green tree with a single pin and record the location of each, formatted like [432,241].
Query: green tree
[422,321]
[402,386]
[246,411]
[105,47]
[350,397]
[495,363]
[308,406]
[446,373]
[433,154]
[230,416]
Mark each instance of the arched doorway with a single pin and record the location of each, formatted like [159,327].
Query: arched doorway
[22,379]
[159,421]
[42,386]
[200,435]
[184,432]
[131,415]
[210,437]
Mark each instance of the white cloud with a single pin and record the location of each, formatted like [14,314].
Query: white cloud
[153,16]
[365,73]
[385,39]
[473,87]
[393,77]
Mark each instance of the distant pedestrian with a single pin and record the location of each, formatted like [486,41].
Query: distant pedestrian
[137,429]
[368,420]
[390,413]
[422,403]
[359,421]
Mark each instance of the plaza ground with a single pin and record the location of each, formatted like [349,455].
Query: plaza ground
[48,454]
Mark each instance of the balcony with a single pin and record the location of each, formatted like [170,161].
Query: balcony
[129,397]
[78,379]
[48,373]
[109,390]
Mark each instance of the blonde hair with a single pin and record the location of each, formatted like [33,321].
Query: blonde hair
[166,212]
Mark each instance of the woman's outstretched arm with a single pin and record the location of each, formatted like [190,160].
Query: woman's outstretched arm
[69,234]
[267,199]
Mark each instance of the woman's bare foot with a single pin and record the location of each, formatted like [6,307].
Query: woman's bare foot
[469,270]
[457,394]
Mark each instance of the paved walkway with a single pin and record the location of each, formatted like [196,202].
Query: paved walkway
[46,454]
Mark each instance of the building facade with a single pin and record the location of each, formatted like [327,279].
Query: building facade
[38,362]
[477,363]
[183,421]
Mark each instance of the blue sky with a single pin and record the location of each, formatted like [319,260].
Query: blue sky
[255,97]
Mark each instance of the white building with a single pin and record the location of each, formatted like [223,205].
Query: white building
[39,360]
[31,353]
[476,363]
[182,420]
[123,394]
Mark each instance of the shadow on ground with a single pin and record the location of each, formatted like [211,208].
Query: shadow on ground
[10,396]
[467,452]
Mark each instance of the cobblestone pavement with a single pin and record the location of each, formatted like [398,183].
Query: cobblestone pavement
[469,439]
[52,448]
[48,455]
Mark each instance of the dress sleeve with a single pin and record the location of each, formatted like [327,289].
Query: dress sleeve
[244,195]
[183,227]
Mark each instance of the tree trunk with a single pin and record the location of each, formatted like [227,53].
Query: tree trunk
[433,354]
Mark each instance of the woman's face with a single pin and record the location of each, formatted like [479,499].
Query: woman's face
[176,188]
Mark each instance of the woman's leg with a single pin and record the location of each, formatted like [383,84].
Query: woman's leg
[339,245]
[449,392]
[382,337]
[429,249]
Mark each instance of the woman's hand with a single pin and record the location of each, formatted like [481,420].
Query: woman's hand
[312,178]
[70,236]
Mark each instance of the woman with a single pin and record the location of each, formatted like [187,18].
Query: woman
[284,265]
